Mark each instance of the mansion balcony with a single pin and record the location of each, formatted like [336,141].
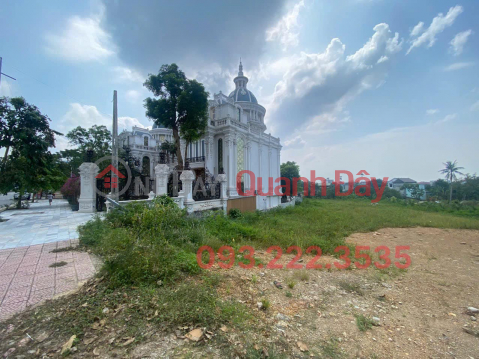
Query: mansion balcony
[196,162]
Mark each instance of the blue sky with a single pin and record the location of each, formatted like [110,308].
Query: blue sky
[387,86]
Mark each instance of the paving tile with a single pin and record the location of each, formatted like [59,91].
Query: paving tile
[24,284]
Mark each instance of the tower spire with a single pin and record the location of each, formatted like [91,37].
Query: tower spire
[240,72]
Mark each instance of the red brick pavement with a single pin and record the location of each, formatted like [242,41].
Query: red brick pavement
[26,277]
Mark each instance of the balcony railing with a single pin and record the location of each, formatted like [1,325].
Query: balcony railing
[196,159]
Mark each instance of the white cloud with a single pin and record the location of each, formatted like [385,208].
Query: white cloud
[9,88]
[82,40]
[438,25]
[286,31]
[86,116]
[457,44]
[458,66]
[448,118]
[417,30]
[128,122]
[432,111]
[125,74]
[295,142]
[382,59]
[133,96]
[475,106]
[316,87]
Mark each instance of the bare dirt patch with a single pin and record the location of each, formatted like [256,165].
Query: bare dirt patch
[422,310]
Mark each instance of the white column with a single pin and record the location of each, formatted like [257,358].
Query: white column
[231,169]
[260,153]
[161,176]
[88,172]
[224,196]
[187,178]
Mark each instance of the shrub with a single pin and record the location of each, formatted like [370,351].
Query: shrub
[141,243]
[234,213]
[393,199]
[71,189]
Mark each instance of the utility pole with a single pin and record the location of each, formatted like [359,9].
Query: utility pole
[1,73]
[114,146]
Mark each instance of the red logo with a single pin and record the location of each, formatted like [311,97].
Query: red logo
[111,182]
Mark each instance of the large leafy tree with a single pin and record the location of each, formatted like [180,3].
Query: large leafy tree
[97,138]
[439,189]
[290,170]
[180,104]
[450,172]
[25,135]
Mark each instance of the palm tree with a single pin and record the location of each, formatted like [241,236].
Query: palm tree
[450,170]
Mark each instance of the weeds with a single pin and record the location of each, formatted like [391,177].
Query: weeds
[58,264]
[265,304]
[301,275]
[351,287]
[64,249]
[364,323]
[330,349]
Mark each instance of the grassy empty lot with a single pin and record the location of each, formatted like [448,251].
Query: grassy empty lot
[152,286]
[326,223]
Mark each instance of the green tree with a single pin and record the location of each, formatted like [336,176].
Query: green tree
[414,189]
[97,138]
[290,170]
[169,148]
[450,170]
[25,134]
[181,105]
[439,189]
[469,188]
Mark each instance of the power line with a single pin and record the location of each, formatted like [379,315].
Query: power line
[1,73]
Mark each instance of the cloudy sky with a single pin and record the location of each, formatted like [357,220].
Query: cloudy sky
[386,86]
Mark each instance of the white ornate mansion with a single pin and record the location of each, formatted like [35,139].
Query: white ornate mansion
[235,140]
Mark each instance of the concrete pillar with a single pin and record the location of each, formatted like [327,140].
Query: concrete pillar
[161,175]
[187,178]
[224,196]
[87,201]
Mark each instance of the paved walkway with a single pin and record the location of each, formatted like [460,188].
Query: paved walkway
[27,278]
[40,224]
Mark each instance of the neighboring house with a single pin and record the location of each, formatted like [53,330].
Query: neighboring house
[398,183]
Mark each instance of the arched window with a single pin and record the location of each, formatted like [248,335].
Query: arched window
[220,155]
[145,168]
[145,141]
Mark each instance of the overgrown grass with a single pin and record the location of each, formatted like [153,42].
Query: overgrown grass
[141,244]
[457,208]
[324,223]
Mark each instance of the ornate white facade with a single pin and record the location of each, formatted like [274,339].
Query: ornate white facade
[235,140]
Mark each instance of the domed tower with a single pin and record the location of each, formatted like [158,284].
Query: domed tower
[245,99]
